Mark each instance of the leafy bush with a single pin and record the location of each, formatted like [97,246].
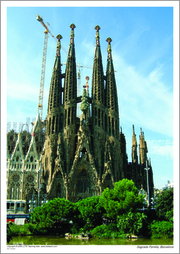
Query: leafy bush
[55,214]
[91,211]
[164,203]
[107,231]
[9,233]
[36,230]
[131,223]
[161,229]
[122,199]
[18,230]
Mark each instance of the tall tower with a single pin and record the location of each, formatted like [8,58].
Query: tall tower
[54,118]
[112,115]
[98,105]
[142,149]
[134,148]
[70,103]
[112,111]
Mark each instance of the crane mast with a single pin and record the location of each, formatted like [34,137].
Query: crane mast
[41,91]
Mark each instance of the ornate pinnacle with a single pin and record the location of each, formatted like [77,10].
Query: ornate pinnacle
[133,129]
[97,34]
[72,26]
[109,46]
[59,37]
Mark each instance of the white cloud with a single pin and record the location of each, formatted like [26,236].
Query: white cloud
[161,147]
[144,100]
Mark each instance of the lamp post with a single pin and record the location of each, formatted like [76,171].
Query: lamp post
[147,184]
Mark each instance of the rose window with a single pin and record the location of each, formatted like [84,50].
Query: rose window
[30,178]
[16,178]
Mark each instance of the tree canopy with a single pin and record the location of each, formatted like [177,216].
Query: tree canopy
[91,210]
[123,198]
[53,212]
[164,203]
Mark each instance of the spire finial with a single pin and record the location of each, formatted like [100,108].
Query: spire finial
[59,37]
[97,34]
[133,129]
[109,46]
[72,26]
[141,130]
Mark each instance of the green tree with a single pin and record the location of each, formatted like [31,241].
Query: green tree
[123,198]
[161,229]
[164,204]
[57,213]
[91,210]
[131,223]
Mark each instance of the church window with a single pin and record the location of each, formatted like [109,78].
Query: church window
[105,122]
[98,117]
[72,118]
[57,129]
[17,158]
[113,126]
[58,191]
[109,125]
[61,121]
[49,126]
[83,184]
[53,124]
[65,117]
[62,96]
[69,116]
[31,159]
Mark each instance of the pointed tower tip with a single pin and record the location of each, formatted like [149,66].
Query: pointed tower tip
[133,129]
[109,40]
[59,37]
[97,28]
[109,47]
[97,34]
[72,26]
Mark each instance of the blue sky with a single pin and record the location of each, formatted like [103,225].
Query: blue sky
[142,50]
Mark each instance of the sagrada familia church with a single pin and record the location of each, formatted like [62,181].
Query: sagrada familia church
[76,157]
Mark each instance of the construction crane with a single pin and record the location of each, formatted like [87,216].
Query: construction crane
[41,91]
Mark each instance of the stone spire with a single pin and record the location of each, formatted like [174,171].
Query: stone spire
[98,75]
[70,83]
[70,103]
[111,94]
[142,148]
[55,93]
[57,62]
[111,91]
[71,51]
[134,148]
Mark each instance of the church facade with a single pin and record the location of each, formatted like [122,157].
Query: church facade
[76,157]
